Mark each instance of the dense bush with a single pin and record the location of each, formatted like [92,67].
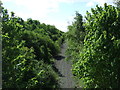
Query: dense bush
[98,61]
[27,52]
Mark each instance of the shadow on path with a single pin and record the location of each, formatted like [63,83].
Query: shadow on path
[59,57]
[59,73]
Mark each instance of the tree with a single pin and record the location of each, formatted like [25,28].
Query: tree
[75,37]
[99,62]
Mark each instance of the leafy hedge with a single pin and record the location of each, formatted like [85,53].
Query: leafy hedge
[97,63]
[27,52]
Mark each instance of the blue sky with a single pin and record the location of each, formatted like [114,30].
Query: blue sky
[55,12]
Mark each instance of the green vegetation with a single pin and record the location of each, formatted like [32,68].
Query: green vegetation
[28,51]
[28,48]
[75,37]
[94,47]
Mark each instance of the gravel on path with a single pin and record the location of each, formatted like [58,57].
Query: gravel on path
[64,67]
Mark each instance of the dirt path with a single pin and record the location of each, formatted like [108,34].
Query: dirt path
[64,68]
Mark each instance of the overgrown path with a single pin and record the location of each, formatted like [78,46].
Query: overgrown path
[64,68]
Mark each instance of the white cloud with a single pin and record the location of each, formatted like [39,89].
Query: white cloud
[61,25]
[99,2]
[6,0]
[40,9]
[34,8]
[90,4]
